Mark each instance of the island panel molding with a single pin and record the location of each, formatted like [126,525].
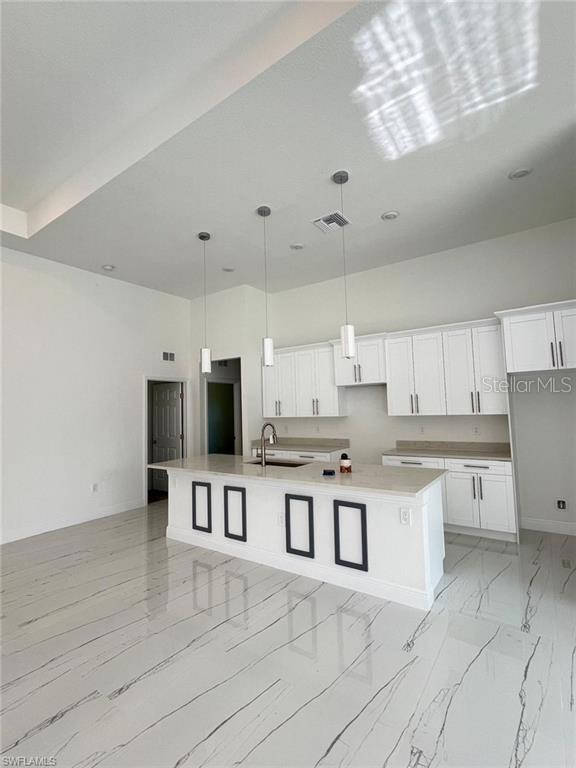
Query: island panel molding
[240,515]
[309,501]
[205,509]
[362,564]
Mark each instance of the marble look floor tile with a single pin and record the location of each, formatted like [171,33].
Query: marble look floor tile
[124,649]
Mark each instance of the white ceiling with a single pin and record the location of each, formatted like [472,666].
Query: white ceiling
[276,141]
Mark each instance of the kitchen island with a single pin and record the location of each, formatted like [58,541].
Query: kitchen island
[378,530]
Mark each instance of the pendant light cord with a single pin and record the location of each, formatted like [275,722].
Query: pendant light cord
[205,312]
[344,255]
[265,272]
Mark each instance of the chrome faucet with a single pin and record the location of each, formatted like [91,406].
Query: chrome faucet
[263,441]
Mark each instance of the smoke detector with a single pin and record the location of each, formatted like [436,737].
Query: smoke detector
[331,221]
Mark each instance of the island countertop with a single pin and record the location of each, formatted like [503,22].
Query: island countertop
[397,481]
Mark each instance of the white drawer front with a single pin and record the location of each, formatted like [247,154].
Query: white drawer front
[413,461]
[479,466]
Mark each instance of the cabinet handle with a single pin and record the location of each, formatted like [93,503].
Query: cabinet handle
[275,407]
[417,404]
[476,466]
[317,407]
[480,484]
[478,399]
[553,358]
[561,354]
[304,456]
[279,407]
[473,486]
[411,404]
[472,401]
[359,372]
[355,376]
[419,463]
[313,407]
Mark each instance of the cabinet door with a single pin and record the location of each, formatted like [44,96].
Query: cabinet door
[462,499]
[530,342]
[400,372]
[459,370]
[286,384]
[344,368]
[305,364]
[496,501]
[370,361]
[326,393]
[565,324]
[429,388]
[269,391]
[490,370]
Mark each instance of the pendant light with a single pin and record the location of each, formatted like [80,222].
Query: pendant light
[267,342]
[205,353]
[347,334]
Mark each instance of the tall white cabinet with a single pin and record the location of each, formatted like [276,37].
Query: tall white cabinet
[540,338]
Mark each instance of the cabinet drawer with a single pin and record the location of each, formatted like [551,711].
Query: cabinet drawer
[310,455]
[479,466]
[413,461]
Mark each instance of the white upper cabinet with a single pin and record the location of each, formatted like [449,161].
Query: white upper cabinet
[475,371]
[565,326]
[315,389]
[278,387]
[327,398]
[429,388]
[459,369]
[489,370]
[400,372]
[540,338]
[368,367]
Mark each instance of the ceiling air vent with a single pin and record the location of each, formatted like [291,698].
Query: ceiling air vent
[331,221]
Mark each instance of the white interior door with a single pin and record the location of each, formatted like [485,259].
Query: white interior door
[326,392]
[286,384]
[459,370]
[429,387]
[565,324]
[462,499]
[400,376]
[530,342]
[496,502]
[166,428]
[304,364]
[370,359]
[490,369]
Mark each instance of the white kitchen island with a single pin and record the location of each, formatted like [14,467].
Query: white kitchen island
[378,530]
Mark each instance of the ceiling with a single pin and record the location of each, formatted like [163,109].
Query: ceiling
[275,141]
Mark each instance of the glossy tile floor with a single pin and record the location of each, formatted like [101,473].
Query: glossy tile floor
[125,649]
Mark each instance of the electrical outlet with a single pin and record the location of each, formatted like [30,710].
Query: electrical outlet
[561,504]
[476,429]
[281,518]
[406,516]
[94,487]
[421,429]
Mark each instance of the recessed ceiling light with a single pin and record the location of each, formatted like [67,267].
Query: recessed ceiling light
[296,247]
[228,269]
[108,267]
[519,173]
[389,215]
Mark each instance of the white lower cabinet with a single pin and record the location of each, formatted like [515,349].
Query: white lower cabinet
[476,495]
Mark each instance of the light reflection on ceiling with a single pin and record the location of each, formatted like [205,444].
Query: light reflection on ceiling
[443,70]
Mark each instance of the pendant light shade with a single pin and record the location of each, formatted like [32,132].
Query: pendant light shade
[267,342]
[205,352]
[347,333]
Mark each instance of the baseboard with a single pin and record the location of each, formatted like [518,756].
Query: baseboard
[106,511]
[563,527]
[479,532]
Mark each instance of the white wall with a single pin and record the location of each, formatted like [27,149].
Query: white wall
[76,349]
[544,429]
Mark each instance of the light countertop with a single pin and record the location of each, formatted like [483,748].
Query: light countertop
[454,450]
[396,481]
[310,445]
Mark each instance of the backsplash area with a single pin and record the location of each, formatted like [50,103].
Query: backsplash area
[370,429]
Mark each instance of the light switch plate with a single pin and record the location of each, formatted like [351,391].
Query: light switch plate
[406,516]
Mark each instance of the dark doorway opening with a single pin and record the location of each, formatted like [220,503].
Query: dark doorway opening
[165,432]
[224,407]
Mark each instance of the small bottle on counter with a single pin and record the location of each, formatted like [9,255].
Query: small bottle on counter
[345,463]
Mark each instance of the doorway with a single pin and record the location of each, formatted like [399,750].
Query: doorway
[165,409]
[224,407]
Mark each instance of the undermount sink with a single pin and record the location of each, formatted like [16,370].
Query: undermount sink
[279,463]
